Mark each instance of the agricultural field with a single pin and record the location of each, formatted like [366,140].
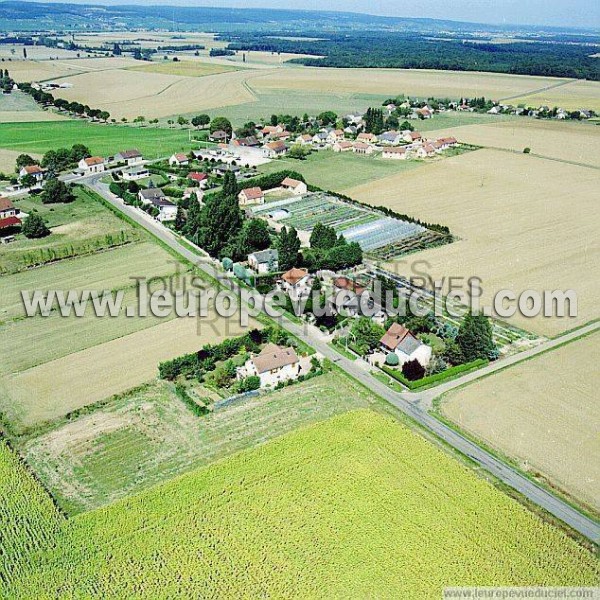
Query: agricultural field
[575,95]
[101,139]
[185,68]
[7,162]
[356,506]
[543,414]
[55,388]
[18,107]
[79,227]
[522,223]
[148,435]
[566,141]
[340,171]
[413,82]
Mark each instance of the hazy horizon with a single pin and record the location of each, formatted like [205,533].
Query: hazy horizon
[573,13]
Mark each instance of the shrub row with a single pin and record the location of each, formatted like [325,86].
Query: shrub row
[195,408]
[437,378]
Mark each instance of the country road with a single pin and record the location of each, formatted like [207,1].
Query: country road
[414,405]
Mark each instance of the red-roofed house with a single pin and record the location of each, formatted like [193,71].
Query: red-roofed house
[179,160]
[34,170]
[274,149]
[253,195]
[8,216]
[293,185]
[200,178]
[405,345]
[395,153]
[93,164]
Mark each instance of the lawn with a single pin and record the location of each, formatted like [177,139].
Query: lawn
[102,139]
[338,171]
[79,227]
[148,435]
[357,506]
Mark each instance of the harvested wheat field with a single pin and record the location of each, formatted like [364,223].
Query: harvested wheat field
[411,82]
[54,389]
[543,413]
[154,94]
[569,141]
[522,222]
[575,95]
[184,68]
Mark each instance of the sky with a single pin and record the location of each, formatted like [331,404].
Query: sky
[566,13]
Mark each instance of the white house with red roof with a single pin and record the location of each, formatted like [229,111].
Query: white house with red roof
[295,186]
[8,216]
[399,340]
[93,164]
[179,160]
[253,195]
[200,178]
[33,170]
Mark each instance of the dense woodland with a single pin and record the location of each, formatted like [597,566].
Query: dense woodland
[412,51]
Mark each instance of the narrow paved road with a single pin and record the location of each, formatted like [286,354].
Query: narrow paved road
[406,402]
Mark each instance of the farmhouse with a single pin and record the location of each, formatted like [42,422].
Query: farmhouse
[411,136]
[272,365]
[395,153]
[405,345]
[179,160]
[264,262]
[131,157]
[246,142]
[8,216]
[253,195]
[274,149]
[167,211]
[305,139]
[293,185]
[33,170]
[343,146]
[425,150]
[272,129]
[447,142]
[93,164]
[362,148]
[135,174]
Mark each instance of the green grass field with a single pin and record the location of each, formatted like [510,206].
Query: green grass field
[79,227]
[148,436]
[338,171]
[101,139]
[357,506]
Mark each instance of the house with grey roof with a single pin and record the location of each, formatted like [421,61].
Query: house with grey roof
[405,345]
[265,261]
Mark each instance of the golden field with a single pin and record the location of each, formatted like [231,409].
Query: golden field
[543,413]
[185,68]
[570,141]
[522,223]
[8,157]
[577,94]
[413,82]
[55,388]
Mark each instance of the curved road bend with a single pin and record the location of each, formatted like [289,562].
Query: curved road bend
[505,473]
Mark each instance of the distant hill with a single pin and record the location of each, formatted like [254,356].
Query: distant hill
[35,16]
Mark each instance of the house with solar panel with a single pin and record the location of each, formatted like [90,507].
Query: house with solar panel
[405,345]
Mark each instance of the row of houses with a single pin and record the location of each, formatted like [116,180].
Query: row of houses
[99,164]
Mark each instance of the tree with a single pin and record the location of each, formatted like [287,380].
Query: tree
[230,186]
[56,191]
[220,223]
[453,353]
[182,121]
[299,152]
[79,151]
[288,246]
[253,236]
[323,237]
[24,160]
[406,126]
[28,181]
[180,219]
[193,222]
[221,124]
[366,333]
[413,370]
[475,338]
[200,120]
[34,227]
[327,118]
[392,359]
